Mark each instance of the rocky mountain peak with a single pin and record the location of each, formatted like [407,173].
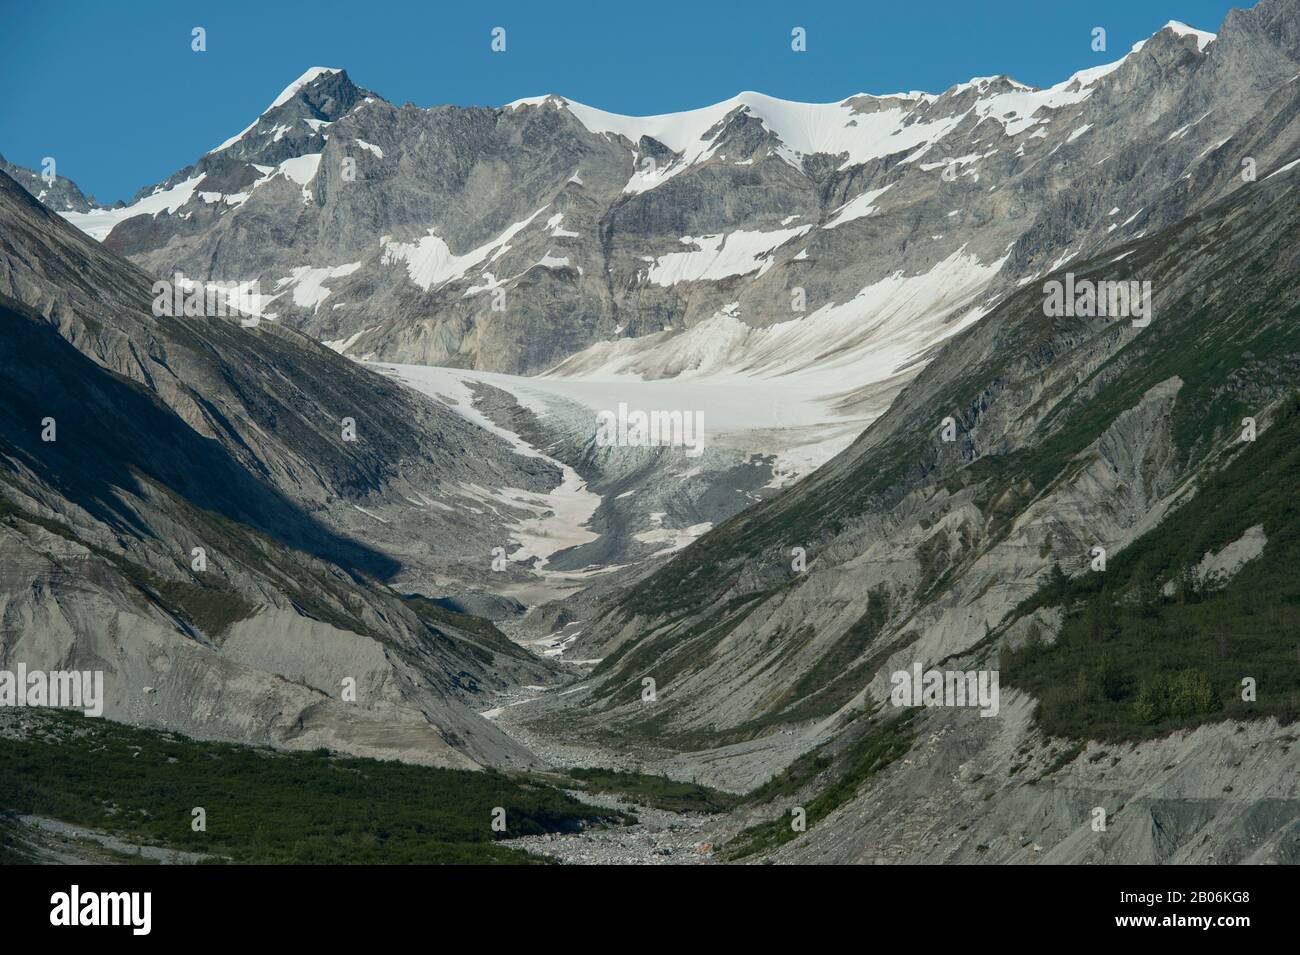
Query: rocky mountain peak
[320,95]
[61,195]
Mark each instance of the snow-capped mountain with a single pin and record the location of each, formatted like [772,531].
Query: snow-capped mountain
[389,230]
[784,268]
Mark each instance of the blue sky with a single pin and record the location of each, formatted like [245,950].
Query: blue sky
[113,91]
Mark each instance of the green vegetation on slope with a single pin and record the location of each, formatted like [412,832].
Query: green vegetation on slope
[658,792]
[269,807]
[878,747]
[1133,661]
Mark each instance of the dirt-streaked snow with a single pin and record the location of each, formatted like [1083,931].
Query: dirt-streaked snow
[558,519]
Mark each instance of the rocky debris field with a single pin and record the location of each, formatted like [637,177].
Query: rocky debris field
[658,838]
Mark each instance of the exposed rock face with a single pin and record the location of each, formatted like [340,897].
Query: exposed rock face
[176,434]
[61,195]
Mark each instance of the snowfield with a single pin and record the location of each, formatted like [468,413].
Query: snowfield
[789,396]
